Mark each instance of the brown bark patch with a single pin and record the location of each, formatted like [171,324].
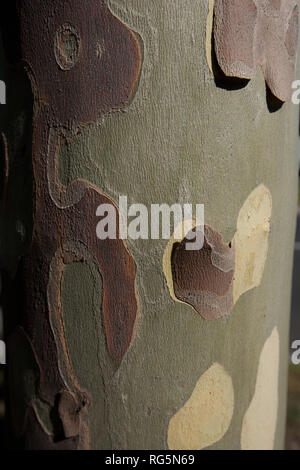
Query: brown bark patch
[248,33]
[82,62]
[204,278]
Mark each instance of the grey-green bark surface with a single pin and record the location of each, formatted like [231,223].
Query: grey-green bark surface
[182,139]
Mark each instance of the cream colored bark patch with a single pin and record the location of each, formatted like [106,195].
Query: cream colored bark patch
[259,424]
[251,241]
[209,33]
[206,416]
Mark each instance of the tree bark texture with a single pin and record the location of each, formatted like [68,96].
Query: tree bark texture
[141,344]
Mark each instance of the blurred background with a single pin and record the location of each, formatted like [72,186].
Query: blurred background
[2,362]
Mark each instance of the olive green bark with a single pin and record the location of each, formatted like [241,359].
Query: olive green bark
[185,137]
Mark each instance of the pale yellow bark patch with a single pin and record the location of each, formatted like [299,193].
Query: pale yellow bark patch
[259,424]
[209,33]
[206,416]
[251,241]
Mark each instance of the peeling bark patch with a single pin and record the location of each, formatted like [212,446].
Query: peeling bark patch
[74,82]
[206,416]
[69,409]
[251,241]
[182,229]
[291,40]
[260,420]
[57,422]
[67,46]
[212,279]
[70,39]
[204,278]
[248,33]
[36,438]
[276,4]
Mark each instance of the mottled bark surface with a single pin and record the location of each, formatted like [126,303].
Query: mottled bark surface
[117,98]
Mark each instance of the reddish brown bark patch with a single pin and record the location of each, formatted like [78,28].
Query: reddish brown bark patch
[82,62]
[68,73]
[204,278]
[276,3]
[69,409]
[248,33]
[36,438]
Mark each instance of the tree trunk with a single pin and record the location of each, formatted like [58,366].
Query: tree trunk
[142,343]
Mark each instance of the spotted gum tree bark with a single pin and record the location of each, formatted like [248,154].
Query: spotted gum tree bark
[141,343]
